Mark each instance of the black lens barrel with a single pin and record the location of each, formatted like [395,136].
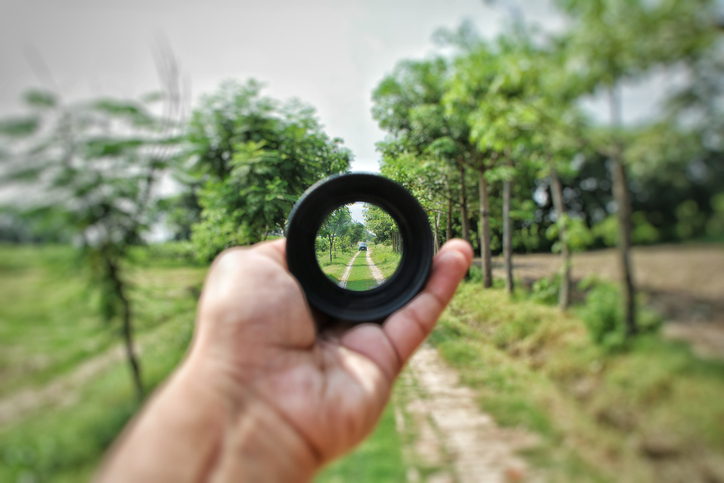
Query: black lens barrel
[376,304]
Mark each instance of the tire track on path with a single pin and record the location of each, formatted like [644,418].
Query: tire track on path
[376,272]
[345,275]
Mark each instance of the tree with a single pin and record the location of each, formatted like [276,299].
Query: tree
[383,226]
[616,40]
[94,165]
[408,105]
[254,157]
[335,226]
[489,85]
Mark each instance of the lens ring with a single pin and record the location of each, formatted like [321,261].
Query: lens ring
[412,272]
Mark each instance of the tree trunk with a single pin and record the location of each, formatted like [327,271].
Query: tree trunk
[564,297]
[330,249]
[486,264]
[448,221]
[623,204]
[465,222]
[436,218]
[127,330]
[507,237]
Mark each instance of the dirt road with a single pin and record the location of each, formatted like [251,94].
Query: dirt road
[376,273]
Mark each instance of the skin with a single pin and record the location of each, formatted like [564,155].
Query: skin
[261,395]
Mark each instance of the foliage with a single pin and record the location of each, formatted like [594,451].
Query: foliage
[545,290]
[253,157]
[334,226]
[92,165]
[380,223]
[603,316]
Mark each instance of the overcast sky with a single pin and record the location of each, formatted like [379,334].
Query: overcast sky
[329,53]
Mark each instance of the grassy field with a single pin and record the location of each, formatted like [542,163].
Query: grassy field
[653,412]
[360,276]
[334,269]
[50,333]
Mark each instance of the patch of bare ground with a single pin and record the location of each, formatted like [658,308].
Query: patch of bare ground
[452,440]
[684,283]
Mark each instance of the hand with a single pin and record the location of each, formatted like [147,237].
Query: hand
[261,396]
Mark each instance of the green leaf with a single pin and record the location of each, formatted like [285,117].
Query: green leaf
[40,99]
[19,127]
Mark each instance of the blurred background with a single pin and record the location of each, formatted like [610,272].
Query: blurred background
[577,144]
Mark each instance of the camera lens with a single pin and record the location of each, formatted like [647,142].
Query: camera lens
[360,246]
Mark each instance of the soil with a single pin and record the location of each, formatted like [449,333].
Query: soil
[452,438]
[683,283]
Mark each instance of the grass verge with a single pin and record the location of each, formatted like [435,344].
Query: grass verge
[334,269]
[378,459]
[385,259]
[653,413]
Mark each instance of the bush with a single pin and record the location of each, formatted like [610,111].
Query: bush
[545,290]
[603,315]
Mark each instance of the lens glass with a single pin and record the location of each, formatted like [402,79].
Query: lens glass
[359,246]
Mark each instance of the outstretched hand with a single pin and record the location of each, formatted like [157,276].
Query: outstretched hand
[261,395]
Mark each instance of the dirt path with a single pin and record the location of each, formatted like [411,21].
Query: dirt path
[453,440]
[345,275]
[376,273]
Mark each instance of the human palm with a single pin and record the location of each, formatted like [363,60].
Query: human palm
[316,394]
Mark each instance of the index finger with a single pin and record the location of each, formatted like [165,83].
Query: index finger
[408,328]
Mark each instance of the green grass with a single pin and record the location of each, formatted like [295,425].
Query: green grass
[48,314]
[47,309]
[360,276]
[378,459]
[385,259]
[334,269]
[634,416]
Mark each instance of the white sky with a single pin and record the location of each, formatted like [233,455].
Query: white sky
[328,53]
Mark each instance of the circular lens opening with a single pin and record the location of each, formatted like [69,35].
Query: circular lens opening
[358,246]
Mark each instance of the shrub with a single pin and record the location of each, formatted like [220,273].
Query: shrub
[545,290]
[603,315]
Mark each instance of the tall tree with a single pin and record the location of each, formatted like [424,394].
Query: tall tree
[612,41]
[407,104]
[254,156]
[94,164]
[335,226]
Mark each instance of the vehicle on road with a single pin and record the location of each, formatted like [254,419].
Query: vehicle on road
[362,246]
